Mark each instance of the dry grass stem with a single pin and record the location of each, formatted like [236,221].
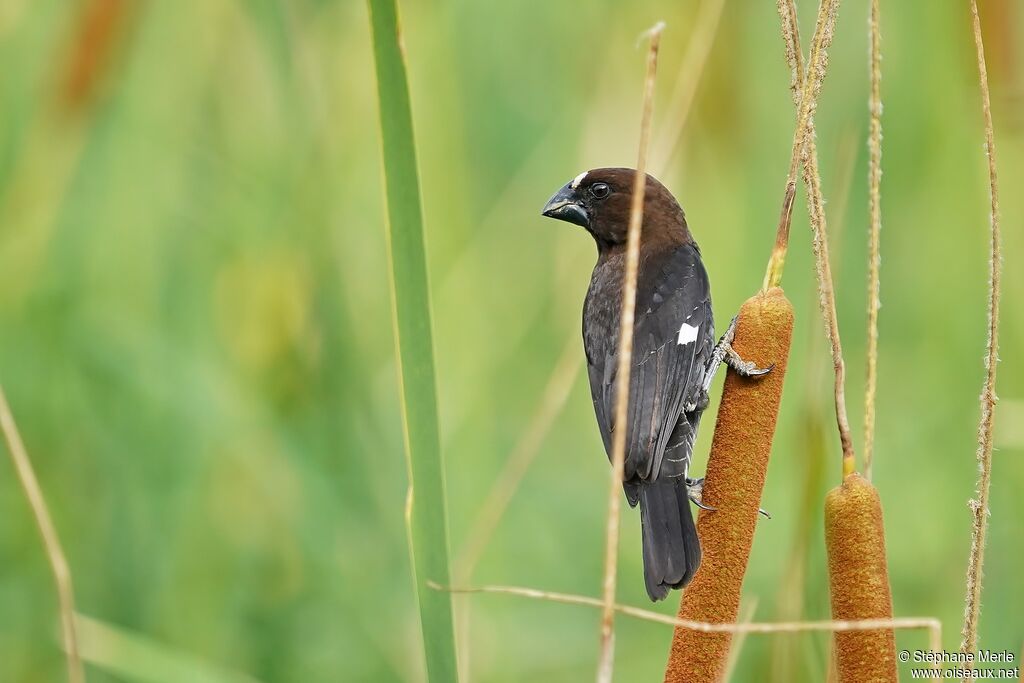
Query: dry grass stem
[932,625]
[51,542]
[734,483]
[875,216]
[979,507]
[604,671]
[702,37]
[807,98]
[805,151]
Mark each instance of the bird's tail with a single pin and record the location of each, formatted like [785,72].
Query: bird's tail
[671,547]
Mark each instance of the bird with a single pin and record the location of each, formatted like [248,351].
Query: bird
[673,361]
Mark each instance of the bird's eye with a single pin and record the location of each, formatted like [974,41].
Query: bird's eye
[600,190]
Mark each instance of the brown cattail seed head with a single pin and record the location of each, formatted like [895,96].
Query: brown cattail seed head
[859,580]
[734,482]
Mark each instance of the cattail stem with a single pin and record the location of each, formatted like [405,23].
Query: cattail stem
[607,657]
[859,581]
[733,485]
[875,223]
[979,507]
[806,152]
[807,103]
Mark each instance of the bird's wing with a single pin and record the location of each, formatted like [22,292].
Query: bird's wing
[673,338]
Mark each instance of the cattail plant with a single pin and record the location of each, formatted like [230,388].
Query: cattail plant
[101,26]
[746,426]
[733,485]
[859,580]
[854,533]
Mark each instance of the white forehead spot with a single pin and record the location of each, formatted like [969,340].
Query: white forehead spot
[578,179]
[687,334]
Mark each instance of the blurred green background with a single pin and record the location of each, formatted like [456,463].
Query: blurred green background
[195,323]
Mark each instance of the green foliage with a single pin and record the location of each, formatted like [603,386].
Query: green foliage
[427,509]
[137,658]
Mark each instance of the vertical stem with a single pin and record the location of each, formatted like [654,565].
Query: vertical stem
[979,507]
[51,542]
[605,666]
[426,510]
[875,215]
[806,101]
[805,154]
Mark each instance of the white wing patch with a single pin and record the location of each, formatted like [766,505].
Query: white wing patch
[687,334]
[578,179]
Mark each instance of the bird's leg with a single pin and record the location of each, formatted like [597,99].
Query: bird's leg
[724,353]
[695,492]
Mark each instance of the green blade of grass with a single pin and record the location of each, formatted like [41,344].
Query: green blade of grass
[138,658]
[426,514]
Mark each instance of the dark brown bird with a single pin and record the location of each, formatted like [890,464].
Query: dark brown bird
[674,357]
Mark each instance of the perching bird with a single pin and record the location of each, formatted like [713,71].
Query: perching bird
[674,357]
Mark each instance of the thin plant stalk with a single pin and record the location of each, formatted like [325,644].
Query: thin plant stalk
[426,513]
[931,625]
[51,541]
[808,160]
[874,232]
[805,92]
[605,665]
[979,506]
[133,656]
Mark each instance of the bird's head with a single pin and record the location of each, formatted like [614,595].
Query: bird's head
[600,199]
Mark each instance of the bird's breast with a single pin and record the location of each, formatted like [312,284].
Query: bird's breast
[602,309]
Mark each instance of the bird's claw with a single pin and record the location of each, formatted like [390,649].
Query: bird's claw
[745,368]
[725,353]
[695,492]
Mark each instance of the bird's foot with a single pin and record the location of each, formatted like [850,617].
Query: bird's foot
[695,492]
[725,353]
[745,368]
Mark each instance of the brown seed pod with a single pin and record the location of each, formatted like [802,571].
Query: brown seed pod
[859,580]
[734,482]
